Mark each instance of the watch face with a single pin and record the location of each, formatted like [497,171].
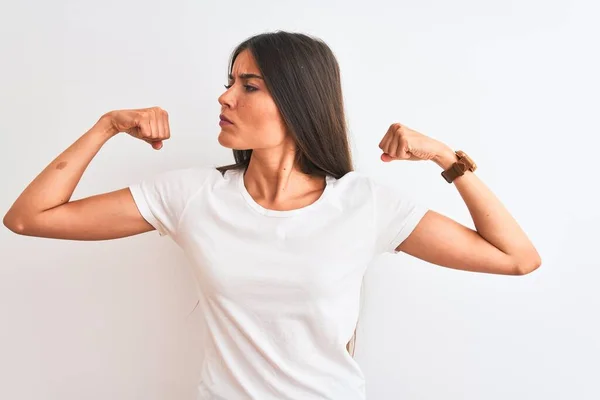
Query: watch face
[466,160]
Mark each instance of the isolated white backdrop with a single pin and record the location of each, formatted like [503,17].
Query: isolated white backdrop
[513,83]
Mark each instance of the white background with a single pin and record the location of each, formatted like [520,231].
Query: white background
[513,83]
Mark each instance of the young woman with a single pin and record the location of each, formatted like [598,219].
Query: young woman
[280,239]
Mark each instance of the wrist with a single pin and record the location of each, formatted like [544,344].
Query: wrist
[105,127]
[445,158]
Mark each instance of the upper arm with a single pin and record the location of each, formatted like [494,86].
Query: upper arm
[157,202]
[442,241]
[105,216]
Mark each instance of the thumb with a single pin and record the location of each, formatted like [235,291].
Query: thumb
[157,145]
[385,157]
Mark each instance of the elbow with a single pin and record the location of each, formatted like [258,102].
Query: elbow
[528,265]
[14,223]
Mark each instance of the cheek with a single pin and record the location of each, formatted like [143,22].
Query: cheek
[267,119]
[275,127]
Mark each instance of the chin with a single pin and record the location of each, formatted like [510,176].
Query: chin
[224,141]
[227,142]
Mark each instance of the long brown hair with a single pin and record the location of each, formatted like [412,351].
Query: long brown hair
[303,77]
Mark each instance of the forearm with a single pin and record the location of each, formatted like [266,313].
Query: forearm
[55,185]
[492,220]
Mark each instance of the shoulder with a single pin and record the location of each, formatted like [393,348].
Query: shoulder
[186,179]
[359,183]
[177,184]
[353,190]
[163,197]
[362,188]
[189,174]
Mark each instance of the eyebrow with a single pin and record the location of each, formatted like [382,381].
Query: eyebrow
[247,76]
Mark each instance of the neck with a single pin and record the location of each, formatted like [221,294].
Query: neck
[275,179]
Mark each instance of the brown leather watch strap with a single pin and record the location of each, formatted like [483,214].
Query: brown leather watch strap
[457,169]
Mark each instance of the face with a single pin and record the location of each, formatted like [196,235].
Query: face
[256,121]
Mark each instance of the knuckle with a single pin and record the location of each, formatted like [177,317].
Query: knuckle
[143,115]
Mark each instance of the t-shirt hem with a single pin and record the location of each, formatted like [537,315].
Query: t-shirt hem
[142,205]
[411,223]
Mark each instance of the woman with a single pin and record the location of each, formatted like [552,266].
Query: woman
[280,240]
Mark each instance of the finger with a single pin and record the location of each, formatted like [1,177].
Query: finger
[145,129]
[392,148]
[386,157]
[156,144]
[160,126]
[390,141]
[383,145]
[386,138]
[399,141]
[166,128]
[153,124]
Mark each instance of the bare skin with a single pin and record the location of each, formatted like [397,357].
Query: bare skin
[497,246]
[272,179]
[45,209]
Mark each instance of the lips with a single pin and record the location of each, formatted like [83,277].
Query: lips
[223,118]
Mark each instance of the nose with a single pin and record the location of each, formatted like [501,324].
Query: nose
[227,99]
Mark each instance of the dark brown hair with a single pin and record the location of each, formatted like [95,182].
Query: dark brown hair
[303,77]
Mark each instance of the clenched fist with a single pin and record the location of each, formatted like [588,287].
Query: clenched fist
[148,124]
[403,143]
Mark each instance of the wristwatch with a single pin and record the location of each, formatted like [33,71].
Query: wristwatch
[463,164]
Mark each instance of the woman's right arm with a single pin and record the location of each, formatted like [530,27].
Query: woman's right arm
[44,208]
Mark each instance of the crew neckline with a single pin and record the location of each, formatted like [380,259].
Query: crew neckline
[279,213]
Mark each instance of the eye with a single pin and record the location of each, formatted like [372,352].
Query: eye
[248,88]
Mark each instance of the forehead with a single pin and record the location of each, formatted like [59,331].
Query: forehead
[244,63]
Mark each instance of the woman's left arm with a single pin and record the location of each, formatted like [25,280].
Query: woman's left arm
[497,246]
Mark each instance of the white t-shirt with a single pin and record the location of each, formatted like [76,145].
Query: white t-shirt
[279,290]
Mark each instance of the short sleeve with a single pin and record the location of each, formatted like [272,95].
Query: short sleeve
[163,198]
[396,216]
